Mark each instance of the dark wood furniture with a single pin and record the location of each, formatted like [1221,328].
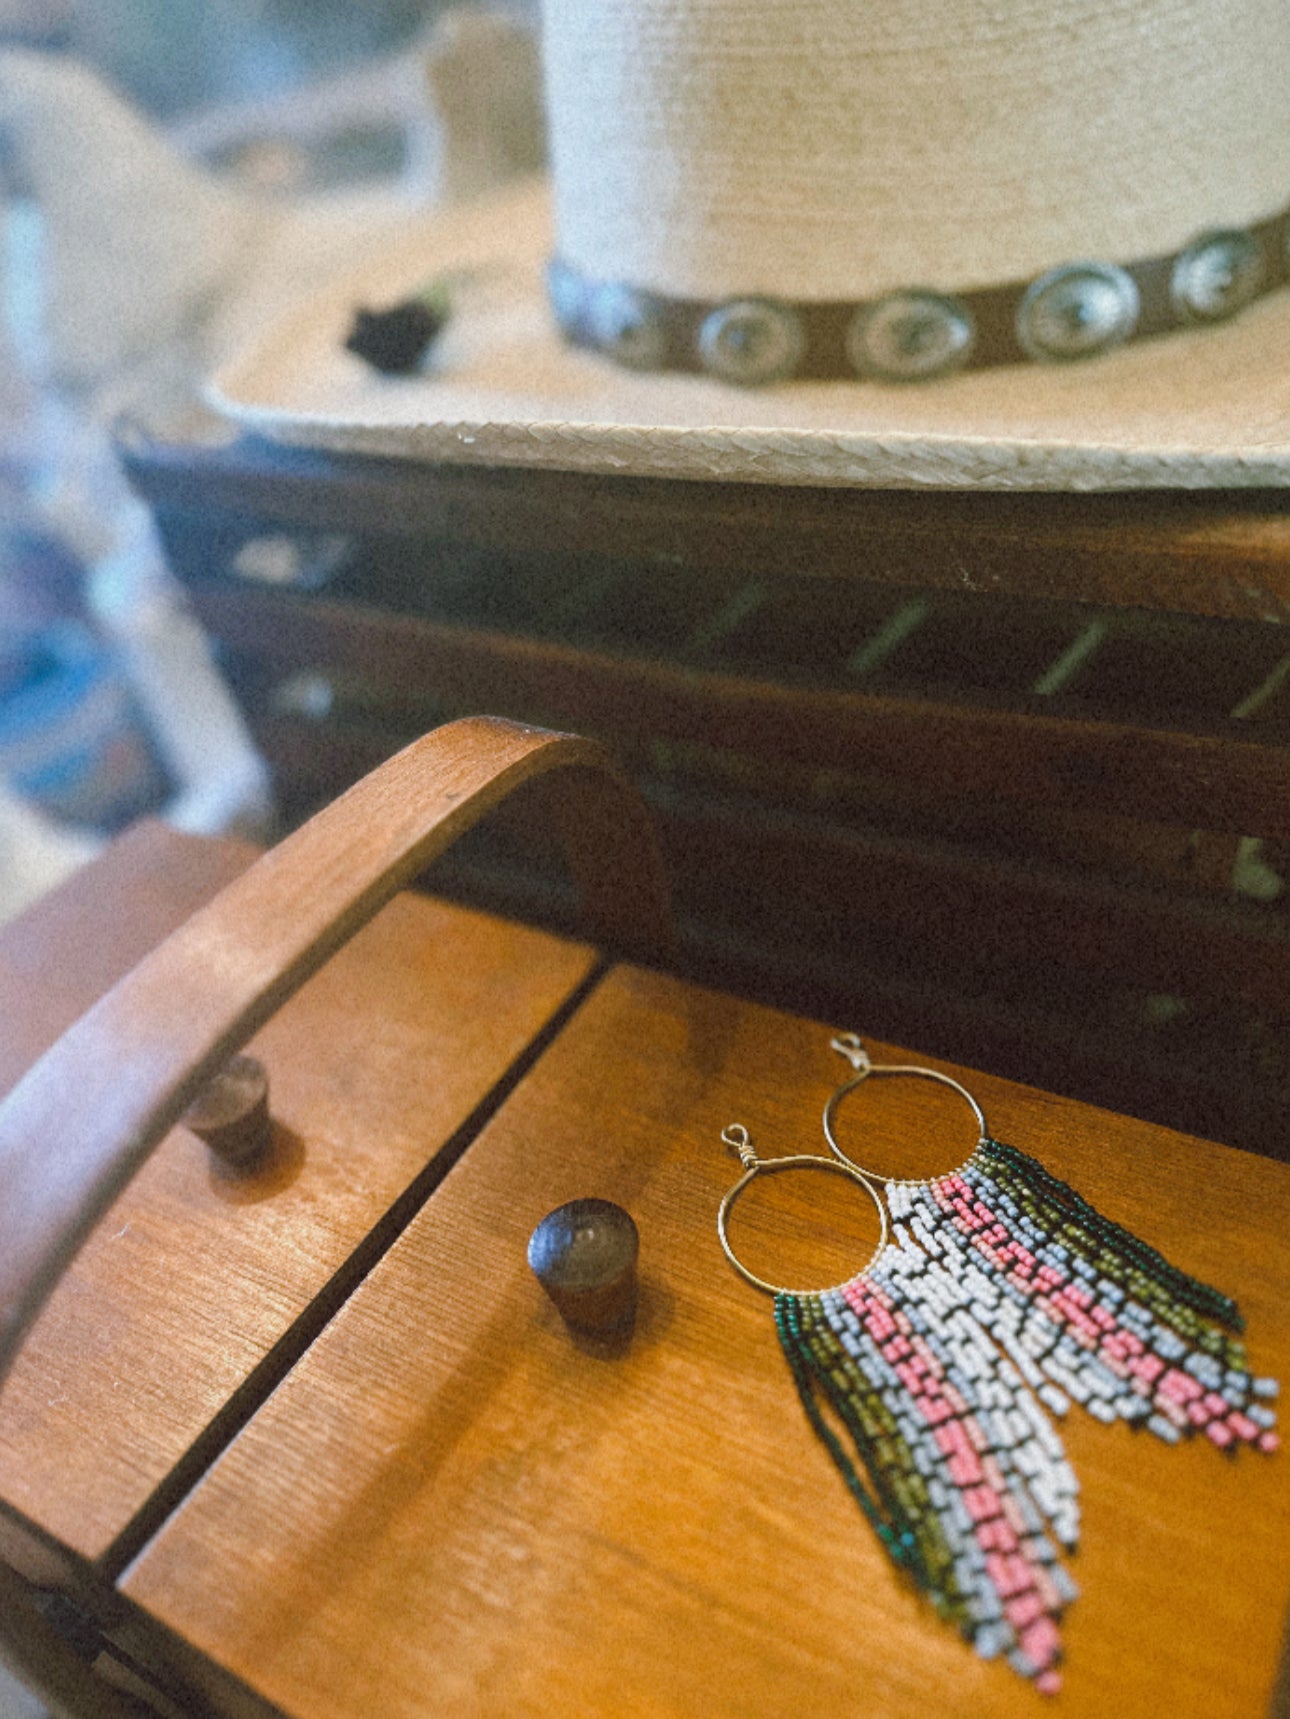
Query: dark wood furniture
[1008,776]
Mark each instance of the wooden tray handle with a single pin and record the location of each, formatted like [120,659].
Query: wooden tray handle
[82,1120]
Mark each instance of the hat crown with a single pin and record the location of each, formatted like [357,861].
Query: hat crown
[827,149]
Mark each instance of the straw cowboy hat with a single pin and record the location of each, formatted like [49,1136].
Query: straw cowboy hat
[985,242]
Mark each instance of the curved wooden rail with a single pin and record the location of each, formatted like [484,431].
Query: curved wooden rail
[83,1119]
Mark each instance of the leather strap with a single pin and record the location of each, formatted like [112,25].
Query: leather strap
[994,313]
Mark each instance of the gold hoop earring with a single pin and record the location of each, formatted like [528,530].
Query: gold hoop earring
[736,1136]
[850,1046]
[996,1297]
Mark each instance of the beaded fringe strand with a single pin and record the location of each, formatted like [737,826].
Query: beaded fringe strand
[1002,1297]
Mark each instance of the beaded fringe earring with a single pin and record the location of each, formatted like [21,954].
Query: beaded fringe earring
[998,1298]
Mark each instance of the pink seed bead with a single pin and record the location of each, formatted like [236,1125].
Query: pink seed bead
[993,1474]
[1041,1641]
[1180,1386]
[981,1503]
[1219,1433]
[1217,1405]
[996,1536]
[964,1469]
[1024,1609]
[1006,1580]
[1198,1414]
[1269,1442]
[1243,1427]
[1012,1511]
[1048,1682]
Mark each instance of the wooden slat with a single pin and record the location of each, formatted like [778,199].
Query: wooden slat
[1227,555]
[878,888]
[796,880]
[1221,776]
[450,1506]
[197,1289]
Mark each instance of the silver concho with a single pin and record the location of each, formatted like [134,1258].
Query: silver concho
[1077,310]
[751,341]
[1217,274]
[626,325]
[910,337]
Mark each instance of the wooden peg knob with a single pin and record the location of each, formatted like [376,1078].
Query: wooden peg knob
[232,1115]
[584,1256]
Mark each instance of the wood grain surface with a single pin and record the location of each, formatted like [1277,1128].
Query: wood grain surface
[1217,774]
[123,1075]
[451,1506]
[191,1290]
[1226,554]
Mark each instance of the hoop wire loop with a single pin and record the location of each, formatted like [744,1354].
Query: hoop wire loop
[772,1166]
[868,1071]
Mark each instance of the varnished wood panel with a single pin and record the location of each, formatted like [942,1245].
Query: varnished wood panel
[1219,775]
[1209,554]
[450,1506]
[188,1288]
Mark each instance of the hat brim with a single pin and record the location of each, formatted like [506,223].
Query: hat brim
[1201,409]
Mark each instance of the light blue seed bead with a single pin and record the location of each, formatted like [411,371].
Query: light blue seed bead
[1066,1585]
[1023,1663]
[1265,1388]
[1032,1521]
[1101,1410]
[1056,1400]
[1205,1368]
[1260,1416]
[1100,1379]
[1164,1429]
[1046,1496]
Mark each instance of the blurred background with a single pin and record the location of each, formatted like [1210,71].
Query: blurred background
[151,152]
